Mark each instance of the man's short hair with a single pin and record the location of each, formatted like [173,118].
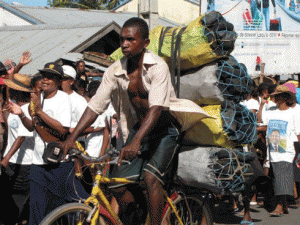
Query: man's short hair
[140,23]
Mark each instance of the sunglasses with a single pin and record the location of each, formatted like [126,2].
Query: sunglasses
[50,76]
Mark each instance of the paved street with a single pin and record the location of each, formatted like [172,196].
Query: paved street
[260,216]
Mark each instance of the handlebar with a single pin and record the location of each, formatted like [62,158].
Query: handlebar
[112,153]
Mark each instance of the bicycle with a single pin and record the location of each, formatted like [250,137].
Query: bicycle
[96,210]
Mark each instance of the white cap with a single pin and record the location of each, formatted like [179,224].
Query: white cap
[69,71]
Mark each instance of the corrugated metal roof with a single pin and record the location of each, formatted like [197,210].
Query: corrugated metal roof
[45,42]
[64,31]
[19,13]
[51,15]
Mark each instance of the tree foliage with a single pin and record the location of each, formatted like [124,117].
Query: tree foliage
[85,4]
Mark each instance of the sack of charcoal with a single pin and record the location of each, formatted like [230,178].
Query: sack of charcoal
[217,169]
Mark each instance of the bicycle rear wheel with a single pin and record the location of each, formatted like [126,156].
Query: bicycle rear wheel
[71,214]
[191,210]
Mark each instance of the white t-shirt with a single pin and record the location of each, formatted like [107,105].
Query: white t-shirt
[297,108]
[94,140]
[250,104]
[16,129]
[79,104]
[282,130]
[59,108]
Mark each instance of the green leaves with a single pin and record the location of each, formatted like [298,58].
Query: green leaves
[86,4]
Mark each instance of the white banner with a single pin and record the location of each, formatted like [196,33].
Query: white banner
[279,51]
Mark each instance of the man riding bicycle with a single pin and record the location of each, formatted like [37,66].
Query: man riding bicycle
[140,89]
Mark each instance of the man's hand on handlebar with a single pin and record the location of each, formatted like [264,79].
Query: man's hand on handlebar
[66,146]
[130,151]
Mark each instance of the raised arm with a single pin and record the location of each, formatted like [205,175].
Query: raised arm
[260,111]
[25,59]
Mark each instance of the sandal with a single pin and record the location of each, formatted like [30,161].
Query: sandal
[276,214]
[245,222]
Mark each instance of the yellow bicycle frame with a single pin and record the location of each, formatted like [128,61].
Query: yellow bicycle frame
[98,196]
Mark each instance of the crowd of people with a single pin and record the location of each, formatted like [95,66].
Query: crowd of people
[37,110]
[133,107]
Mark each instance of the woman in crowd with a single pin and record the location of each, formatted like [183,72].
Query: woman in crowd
[283,129]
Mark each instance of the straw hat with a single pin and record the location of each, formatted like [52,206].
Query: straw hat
[19,82]
[284,88]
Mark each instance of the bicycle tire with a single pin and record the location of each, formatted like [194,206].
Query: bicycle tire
[72,213]
[191,211]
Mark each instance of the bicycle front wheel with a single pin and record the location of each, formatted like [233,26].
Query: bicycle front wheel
[71,214]
[190,209]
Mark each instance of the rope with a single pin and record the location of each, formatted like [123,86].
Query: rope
[231,172]
[238,123]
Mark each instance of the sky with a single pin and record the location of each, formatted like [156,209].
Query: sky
[28,2]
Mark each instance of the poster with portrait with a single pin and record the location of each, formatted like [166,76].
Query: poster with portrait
[277,138]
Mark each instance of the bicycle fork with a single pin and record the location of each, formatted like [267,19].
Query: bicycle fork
[173,207]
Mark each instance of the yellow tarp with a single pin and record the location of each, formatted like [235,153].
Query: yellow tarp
[209,131]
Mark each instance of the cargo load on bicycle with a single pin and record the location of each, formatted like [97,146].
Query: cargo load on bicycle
[208,75]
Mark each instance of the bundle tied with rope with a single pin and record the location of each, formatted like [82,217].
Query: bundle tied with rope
[232,168]
[211,84]
[207,38]
[232,125]
[219,169]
